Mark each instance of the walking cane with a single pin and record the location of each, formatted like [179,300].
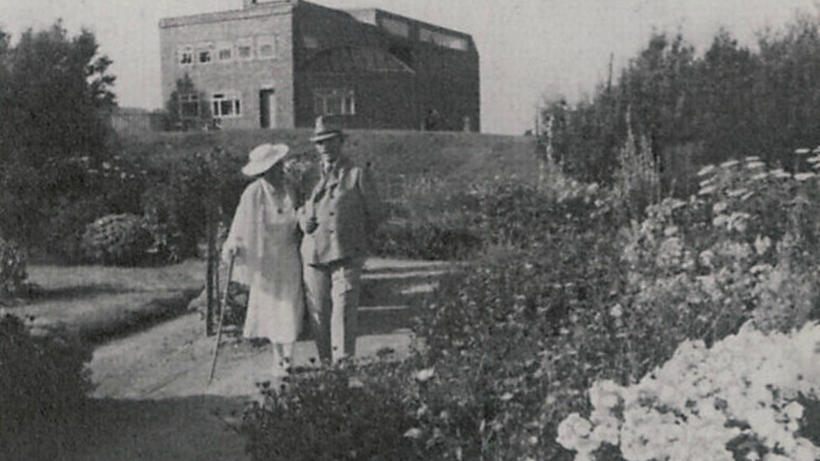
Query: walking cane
[222,306]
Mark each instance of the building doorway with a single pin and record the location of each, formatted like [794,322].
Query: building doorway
[267,108]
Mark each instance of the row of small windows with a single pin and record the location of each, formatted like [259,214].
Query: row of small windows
[402,29]
[241,50]
[228,104]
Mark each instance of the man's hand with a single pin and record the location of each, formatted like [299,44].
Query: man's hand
[311,224]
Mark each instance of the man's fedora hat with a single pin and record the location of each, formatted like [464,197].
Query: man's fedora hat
[326,128]
[263,157]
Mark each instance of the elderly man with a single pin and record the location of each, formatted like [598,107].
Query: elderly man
[338,220]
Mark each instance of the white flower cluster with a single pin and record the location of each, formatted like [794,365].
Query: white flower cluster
[701,399]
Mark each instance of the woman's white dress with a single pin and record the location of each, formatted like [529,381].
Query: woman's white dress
[264,227]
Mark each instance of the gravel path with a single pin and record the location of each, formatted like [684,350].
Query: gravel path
[152,394]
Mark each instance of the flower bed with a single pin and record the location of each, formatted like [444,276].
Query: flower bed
[739,399]
[568,293]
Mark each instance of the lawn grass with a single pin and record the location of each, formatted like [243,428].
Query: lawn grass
[454,159]
[99,302]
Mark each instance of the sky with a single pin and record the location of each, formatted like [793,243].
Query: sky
[529,49]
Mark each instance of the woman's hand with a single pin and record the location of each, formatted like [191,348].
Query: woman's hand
[235,251]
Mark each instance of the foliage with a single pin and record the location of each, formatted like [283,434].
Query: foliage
[98,187]
[748,242]
[342,414]
[162,214]
[568,292]
[175,116]
[636,184]
[116,239]
[426,240]
[12,269]
[740,399]
[55,94]
[695,109]
[67,222]
[43,382]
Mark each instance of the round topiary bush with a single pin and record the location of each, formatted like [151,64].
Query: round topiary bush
[120,239]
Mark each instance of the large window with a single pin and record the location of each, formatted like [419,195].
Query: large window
[442,39]
[334,101]
[396,27]
[188,105]
[226,104]
[244,48]
[186,55]
[204,53]
[224,51]
[266,46]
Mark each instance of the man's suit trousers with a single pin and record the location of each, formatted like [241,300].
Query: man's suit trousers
[332,298]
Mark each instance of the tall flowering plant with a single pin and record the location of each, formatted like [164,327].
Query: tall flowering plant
[744,247]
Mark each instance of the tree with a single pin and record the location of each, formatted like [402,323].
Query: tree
[56,94]
[186,107]
[726,99]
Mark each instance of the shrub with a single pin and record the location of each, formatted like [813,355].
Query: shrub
[12,270]
[22,204]
[116,239]
[67,224]
[426,240]
[342,414]
[744,244]
[43,383]
[741,399]
[566,293]
[161,211]
[190,187]
[519,215]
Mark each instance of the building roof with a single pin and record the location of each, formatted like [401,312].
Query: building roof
[348,59]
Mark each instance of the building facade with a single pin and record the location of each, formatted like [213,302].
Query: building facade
[282,63]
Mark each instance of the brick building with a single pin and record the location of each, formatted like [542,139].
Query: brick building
[281,63]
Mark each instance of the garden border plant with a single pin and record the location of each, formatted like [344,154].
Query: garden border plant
[564,297]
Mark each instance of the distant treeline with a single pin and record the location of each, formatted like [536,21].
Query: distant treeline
[732,101]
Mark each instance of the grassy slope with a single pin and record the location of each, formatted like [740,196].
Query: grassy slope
[455,158]
[97,301]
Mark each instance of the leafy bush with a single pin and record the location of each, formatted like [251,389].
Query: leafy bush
[741,399]
[426,240]
[116,239]
[342,414]
[522,216]
[481,384]
[161,212]
[43,383]
[567,293]
[190,188]
[748,243]
[12,269]
[67,224]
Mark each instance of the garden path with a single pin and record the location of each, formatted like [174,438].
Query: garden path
[152,393]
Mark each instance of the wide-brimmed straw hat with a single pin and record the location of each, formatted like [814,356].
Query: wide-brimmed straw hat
[263,157]
[326,128]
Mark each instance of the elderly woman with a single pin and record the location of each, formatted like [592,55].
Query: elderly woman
[264,237]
